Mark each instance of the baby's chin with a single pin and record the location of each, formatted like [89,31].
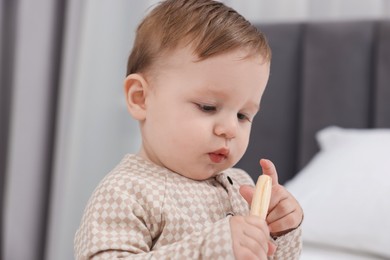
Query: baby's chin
[203,175]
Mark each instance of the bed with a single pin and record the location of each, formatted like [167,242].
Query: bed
[325,122]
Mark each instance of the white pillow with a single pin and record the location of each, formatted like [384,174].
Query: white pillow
[345,191]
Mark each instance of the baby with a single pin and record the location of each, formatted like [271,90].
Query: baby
[195,78]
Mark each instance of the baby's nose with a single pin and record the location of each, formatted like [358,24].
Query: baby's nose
[226,128]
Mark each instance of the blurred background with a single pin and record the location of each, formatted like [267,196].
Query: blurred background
[63,118]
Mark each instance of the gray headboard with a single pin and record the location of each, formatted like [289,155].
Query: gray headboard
[323,73]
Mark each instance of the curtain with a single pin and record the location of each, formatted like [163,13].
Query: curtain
[6,50]
[300,10]
[63,117]
[31,60]
[96,129]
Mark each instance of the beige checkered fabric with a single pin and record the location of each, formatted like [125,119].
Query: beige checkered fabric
[141,210]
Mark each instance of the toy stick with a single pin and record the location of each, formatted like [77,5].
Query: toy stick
[261,196]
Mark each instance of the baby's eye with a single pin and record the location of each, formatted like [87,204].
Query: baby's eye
[207,108]
[243,117]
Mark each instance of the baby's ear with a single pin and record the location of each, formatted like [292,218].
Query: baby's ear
[135,91]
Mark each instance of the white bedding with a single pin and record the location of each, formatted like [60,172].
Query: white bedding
[311,252]
[344,193]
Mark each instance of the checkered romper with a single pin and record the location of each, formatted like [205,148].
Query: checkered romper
[143,211]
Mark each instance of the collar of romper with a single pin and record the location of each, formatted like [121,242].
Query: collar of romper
[237,202]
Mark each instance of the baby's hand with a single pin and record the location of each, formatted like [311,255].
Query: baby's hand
[285,213]
[250,235]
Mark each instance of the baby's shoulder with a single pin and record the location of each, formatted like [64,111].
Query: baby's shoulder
[240,176]
[134,178]
[136,174]
[132,190]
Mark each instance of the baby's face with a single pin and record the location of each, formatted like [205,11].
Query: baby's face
[199,113]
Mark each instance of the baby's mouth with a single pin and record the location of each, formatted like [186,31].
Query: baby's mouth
[219,155]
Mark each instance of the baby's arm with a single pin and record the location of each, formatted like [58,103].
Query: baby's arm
[213,242]
[129,237]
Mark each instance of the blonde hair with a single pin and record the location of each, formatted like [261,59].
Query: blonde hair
[209,26]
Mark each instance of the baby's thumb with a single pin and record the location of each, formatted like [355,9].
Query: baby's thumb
[271,248]
[246,192]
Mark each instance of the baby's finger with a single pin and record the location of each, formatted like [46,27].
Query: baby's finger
[282,209]
[246,192]
[287,223]
[269,169]
[257,222]
[271,248]
[256,240]
[284,225]
[279,193]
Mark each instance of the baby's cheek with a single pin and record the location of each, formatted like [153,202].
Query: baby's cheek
[243,143]
[240,148]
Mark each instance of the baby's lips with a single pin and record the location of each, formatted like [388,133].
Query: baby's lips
[223,151]
[216,158]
